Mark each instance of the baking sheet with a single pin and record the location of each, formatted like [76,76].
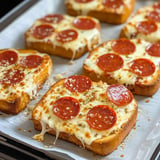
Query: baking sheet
[138,145]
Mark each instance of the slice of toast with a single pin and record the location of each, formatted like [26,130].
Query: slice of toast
[86,113]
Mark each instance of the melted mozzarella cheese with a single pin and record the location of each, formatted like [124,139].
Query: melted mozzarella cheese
[78,125]
[123,75]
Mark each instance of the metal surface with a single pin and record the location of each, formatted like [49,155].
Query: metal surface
[15,12]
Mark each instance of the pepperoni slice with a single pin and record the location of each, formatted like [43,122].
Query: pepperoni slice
[123,46]
[43,31]
[12,76]
[101,117]
[66,108]
[67,35]
[146,27]
[53,18]
[78,83]
[154,50]
[84,23]
[156,5]
[142,67]
[119,95]
[113,3]
[109,62]
[154,15]
[8,58]
[31,61]
[83,1]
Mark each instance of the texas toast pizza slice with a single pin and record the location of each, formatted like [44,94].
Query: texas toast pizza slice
[94,115]
[22,74]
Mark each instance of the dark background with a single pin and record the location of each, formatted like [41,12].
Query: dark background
[7,5]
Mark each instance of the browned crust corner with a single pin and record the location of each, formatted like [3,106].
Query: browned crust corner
[16,105]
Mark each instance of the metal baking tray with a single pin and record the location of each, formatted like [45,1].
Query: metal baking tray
[141,142]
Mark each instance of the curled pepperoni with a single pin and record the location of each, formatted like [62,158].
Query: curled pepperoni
[109,62]
[113,3]
[84,23]
[101,117]
[12,76]
[154,50]
[78,83]
[66,108]
[119,95]
[43,31]
[142,67]
[67,35]
[53,18]
[31,61]
[8,58]
[123,46]
[146,27]
[154,15]
[83,1]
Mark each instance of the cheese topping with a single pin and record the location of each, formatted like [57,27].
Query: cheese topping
[78,126]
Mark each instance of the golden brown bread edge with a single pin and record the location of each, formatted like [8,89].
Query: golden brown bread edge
[15,104]
[138,89]
[104,15]
[60,51]
[103,146]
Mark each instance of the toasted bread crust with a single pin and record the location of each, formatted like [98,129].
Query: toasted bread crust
[101,146]
[58,50]
[15,103]
[104,15]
